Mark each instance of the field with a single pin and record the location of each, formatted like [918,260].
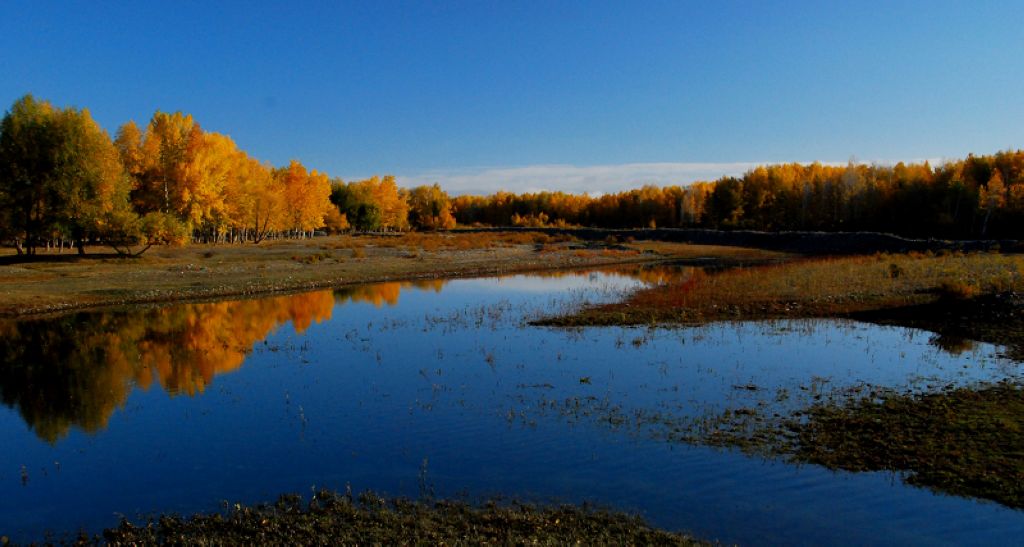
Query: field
[820,287]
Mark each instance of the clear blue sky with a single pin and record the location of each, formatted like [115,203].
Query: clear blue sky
[436,89]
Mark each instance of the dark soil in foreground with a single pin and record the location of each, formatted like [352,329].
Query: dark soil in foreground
[334,519]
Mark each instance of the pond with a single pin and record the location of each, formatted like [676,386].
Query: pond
[442,388]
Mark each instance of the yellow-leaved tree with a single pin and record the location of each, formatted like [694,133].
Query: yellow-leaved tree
[306,197]
[430,208]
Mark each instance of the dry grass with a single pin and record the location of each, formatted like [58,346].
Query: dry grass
[814,288]
[52,283]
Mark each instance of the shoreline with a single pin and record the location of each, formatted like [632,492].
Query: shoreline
[47,286]
[976,296]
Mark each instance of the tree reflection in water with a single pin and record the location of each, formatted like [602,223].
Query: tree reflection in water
[75,370]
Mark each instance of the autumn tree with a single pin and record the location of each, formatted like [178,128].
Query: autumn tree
[131,235]
[430,208]
[255,200]
[128,142]
[306,197]
[60,174]
[393,205]
[356,204]
[992,197]
[372,204]
[159,160]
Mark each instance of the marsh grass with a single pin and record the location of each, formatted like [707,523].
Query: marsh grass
[813,288]
[964,441]
[956,440]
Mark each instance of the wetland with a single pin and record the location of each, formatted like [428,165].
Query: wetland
[795,429]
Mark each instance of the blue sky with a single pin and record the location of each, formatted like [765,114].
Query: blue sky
[583,96]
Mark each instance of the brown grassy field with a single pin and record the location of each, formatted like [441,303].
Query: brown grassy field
[823,287]
[52,282]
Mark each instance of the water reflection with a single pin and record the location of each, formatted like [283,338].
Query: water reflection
[648,274]
[74,371]
[380,294]
[953,345]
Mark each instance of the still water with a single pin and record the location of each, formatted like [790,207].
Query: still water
[442,388]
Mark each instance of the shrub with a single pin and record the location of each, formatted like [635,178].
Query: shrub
[957,289]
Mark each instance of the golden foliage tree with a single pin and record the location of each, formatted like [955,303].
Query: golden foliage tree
[430,208]
[306,196]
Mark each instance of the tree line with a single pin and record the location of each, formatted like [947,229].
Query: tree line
[63,180]
[979,196]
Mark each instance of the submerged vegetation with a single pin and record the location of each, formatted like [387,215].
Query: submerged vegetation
[962,441]
[331,518]
[959,440]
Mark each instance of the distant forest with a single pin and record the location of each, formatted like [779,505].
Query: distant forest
[977,197]
[64,181]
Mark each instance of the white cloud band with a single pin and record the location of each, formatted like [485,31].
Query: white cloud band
[594,179]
